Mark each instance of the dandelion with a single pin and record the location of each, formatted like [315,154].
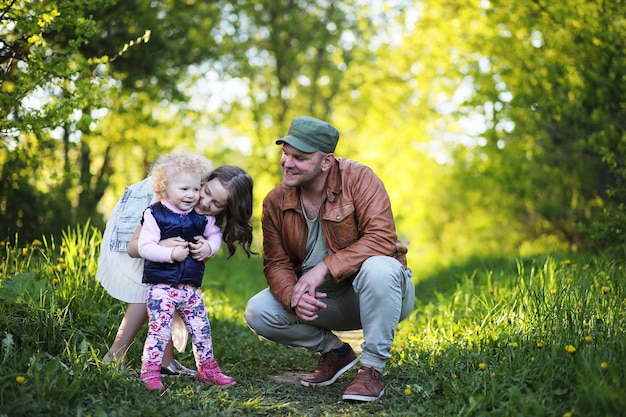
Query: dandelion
[585,324]
[407,390]
[565,262]
[604,366]
[588,338]
[553,291]
[540,345]
[20,379]
[606,290]
[55,281]
[24,251]
[514,345]
[36,242]
[481,366]
[571,349]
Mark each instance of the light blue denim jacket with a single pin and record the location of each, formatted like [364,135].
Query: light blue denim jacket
[127,213]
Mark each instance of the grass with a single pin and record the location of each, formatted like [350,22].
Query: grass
[541,336]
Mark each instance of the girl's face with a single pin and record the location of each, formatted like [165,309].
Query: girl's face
[183,190]
[213,198]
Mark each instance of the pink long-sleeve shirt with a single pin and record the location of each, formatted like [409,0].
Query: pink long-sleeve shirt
[150,236]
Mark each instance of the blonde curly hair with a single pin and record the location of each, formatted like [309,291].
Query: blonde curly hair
[175,163]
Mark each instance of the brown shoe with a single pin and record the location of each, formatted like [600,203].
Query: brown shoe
[367,386]
[329,368]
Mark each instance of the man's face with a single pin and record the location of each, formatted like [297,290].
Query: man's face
[300,168]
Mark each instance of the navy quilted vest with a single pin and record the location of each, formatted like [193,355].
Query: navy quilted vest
[188,272]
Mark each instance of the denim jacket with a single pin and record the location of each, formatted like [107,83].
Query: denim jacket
[128,211]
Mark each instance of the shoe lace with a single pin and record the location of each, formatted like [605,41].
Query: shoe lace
[325,361]
[367,376]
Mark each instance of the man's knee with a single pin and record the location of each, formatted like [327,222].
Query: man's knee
[381,272]
[252,314]
[264,316]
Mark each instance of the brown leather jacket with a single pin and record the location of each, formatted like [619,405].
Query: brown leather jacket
[356,221]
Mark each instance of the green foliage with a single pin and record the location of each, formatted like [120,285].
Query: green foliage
[547,82]
[495,125]
[540,336]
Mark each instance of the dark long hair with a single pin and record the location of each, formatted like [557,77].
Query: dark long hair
[235,219]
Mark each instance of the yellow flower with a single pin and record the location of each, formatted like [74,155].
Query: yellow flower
[606,290]
[24,251]
[407,390]
[540,345]
[20,379]
[36,242]
[566,262]
[553,291]
[585,324]
[588,338]
[604,366]
[514,345]
[570,349]
[55,281]
[569,280]
[567,414]
[481,366]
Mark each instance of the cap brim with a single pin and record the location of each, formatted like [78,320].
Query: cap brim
[297,143]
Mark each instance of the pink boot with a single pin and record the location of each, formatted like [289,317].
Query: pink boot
[151,376]
[210,372]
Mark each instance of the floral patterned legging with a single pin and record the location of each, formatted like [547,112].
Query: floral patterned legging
[163,301]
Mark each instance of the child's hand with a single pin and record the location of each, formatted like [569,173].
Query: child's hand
[180,253]
[200,250]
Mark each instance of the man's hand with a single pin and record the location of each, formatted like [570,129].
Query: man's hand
[305,298]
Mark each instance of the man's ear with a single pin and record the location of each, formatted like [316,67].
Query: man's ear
[328,161]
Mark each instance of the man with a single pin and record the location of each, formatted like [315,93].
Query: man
[332,261]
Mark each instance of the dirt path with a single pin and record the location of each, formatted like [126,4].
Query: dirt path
[353,337]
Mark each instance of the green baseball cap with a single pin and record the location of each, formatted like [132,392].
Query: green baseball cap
[308,134]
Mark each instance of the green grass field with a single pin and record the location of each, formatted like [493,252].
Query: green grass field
[541,336]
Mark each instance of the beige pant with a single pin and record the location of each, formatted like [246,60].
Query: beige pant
[380,296]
